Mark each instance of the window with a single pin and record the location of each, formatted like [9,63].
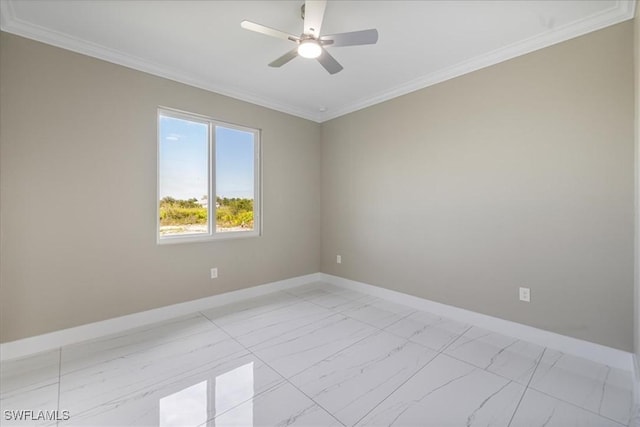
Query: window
[208,179]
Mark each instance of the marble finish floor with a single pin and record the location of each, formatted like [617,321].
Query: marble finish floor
[316,355]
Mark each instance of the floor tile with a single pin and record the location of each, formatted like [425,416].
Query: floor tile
[250,308]
[328,296]
[617,399]
[138,340]
[336,301]
[283,405]
[377,312]
[351,383]
[448,392]
[29,383]
[497,353]
[317,354]
[259,327]
[428,329]
[598,388]
[537,409]
[315,288]
[189,398]
[301,348]
[125,382]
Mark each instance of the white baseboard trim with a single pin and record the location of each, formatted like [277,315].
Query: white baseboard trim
[588,350]
[596,352]
[52,340]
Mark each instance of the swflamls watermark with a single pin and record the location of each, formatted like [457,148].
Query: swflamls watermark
[31,415]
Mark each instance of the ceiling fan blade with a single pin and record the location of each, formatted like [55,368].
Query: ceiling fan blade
[351,39]
[329,62]
[284,58]
[313,16]
[258,28]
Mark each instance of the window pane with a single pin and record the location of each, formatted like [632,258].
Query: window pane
[234,180]
[184,176]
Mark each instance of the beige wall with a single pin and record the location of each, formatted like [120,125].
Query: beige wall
[521,174]
[78,194]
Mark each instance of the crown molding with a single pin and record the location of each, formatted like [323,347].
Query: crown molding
[621,10]
[11,24]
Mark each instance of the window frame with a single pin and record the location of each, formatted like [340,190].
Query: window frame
[212,234]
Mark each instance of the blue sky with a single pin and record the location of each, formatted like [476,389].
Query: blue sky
[184,160]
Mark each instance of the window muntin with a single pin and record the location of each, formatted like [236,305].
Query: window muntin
[208,179]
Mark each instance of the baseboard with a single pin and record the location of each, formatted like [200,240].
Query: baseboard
[40,343]
[596,352]
[588,350]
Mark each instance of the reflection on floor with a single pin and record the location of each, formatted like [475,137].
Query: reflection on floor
[314,355]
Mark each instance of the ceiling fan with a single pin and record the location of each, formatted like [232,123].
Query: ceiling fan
[310,44]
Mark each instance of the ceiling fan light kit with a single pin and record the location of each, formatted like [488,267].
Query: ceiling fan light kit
[310,44]
[309,49]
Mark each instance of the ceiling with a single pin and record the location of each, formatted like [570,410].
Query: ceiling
[201,43]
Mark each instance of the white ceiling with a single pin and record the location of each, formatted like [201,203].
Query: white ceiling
[201,42]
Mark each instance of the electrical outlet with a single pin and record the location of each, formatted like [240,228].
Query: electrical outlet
[338,259]
[214,273]
[525,294]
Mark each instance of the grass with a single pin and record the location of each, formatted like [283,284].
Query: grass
[179,216]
